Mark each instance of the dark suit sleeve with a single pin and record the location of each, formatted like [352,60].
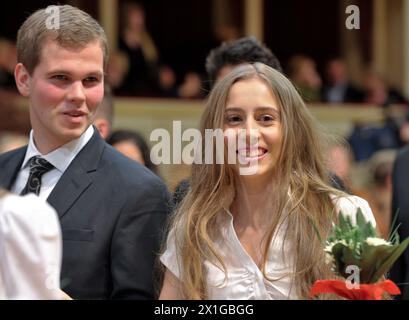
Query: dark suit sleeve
[136,242]
[180,193]
[399,270]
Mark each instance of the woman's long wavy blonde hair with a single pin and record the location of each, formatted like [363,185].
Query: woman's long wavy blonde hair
[304,191]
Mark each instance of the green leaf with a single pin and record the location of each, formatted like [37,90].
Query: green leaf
[343,224]
[394,237]
[387,264]
[372,259]
[344,256]
[365,227]
[337,252]
[394,227]
[360,219]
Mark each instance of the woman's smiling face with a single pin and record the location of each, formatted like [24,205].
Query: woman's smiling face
[252,106]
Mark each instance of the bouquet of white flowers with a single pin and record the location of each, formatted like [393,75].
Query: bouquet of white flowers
[361,258]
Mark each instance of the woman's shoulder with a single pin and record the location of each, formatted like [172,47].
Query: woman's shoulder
[13,204]
[349,204]
[28,213]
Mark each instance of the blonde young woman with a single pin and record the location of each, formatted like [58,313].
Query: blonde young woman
[255,236]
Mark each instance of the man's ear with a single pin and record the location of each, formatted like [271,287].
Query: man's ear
[22,79]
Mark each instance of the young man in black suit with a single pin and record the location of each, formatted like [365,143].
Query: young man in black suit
[111,209]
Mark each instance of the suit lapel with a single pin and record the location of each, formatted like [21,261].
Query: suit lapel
[70,186]
[78,176]
[11,168]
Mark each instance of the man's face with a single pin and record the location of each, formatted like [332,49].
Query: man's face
[64,92]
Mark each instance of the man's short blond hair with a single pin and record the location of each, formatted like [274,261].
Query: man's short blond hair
[76,29]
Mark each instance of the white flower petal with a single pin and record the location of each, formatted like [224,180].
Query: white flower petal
[377,242]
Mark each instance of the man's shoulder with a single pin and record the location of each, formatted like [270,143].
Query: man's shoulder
[401,167]
[403,153]
[402,161]
[12,154]
[128,171]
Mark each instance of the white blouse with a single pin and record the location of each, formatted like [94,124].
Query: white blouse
[244,280]
[30,249]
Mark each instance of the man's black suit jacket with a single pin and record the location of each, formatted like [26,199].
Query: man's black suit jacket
[400,201]
[112,212]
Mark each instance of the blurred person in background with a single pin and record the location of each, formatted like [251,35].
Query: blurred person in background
[117,70]
[167,82]
[134,146]
[381,168]
[10,141]
[368,138]
[338,88]
[191,87]
[378,92]
[226,33]
[378,189]
[104,116]
[14,115]
[143,75]
[8,60]
[222,59]
[302,72]
[340,162]
[404,130]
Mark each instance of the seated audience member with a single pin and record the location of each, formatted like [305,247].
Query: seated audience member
[13,117]
[366,139]
[134,146]
[167,82]
[30,248]
[403,130]
[143,56]
[254,229]
[117,70]
[8,60]
[340,161]
[303,73]
[11,141]
[377,92]
[226,32]
[104,115]
[338,88]
[379,191]
[191,88]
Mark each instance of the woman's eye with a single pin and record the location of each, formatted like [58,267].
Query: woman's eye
[233,119]
[266,118]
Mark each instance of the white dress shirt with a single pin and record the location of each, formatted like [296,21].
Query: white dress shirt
[244,280]
[30,249]
[60,158]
